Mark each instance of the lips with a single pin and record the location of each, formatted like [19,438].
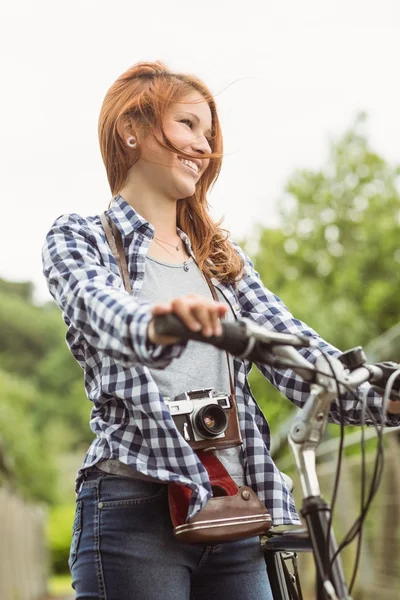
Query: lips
[192,170]
[196,162]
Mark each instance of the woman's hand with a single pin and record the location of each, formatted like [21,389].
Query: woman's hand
[394,407]
[197,313]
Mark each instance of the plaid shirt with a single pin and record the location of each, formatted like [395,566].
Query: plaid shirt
[107,330]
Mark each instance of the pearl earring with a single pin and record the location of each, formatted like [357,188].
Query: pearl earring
[131,141]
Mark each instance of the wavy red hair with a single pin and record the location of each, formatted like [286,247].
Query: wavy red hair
[139,98]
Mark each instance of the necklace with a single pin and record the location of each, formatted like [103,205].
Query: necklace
[173,245]
[185,265]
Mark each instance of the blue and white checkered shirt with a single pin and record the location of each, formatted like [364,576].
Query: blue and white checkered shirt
[107,330]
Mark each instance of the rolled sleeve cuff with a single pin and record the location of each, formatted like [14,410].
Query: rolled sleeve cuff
[157,356]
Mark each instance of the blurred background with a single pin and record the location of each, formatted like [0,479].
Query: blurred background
[308,98]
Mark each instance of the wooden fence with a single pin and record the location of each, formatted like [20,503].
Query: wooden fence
[23,555]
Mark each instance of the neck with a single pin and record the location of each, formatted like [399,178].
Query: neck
[158,210]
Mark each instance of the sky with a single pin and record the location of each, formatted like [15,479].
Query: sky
[288,77]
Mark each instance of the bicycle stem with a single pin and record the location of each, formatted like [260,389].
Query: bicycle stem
[305,435]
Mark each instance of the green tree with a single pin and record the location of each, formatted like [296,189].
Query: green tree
[44,407]
[27,457]
[334,259]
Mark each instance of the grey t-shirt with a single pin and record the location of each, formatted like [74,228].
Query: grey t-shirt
[201,365]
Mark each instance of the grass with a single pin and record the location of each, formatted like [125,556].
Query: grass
[60,585]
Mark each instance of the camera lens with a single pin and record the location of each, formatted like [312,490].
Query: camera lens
[211,420]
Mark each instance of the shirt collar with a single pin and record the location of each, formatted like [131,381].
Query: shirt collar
[128,220]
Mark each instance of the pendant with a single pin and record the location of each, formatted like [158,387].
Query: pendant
[185,266]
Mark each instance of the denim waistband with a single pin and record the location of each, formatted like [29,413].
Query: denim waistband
[116,467]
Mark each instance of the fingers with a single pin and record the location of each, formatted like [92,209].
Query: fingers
[394,407]
[199,313]
[161,309]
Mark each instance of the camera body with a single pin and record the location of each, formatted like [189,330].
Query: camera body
[205,419]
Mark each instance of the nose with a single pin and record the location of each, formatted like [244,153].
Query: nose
[201,145]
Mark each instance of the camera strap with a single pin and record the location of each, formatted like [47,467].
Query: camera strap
[214,295]
[114,239]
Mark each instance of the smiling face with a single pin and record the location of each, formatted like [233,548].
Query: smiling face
[188,125]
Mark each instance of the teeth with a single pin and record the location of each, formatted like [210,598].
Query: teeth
[190,164]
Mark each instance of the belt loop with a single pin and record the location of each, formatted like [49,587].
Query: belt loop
[84,477]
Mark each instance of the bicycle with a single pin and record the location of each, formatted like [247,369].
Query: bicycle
[329,377]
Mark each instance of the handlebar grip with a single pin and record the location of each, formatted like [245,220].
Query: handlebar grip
[233,337]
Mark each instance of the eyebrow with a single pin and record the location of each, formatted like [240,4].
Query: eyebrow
[196,118]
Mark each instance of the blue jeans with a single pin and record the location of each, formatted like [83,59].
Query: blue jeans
[123,548]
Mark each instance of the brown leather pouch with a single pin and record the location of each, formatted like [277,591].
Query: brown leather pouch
[225,519]
[233,513]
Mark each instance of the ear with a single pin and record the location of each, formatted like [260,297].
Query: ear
[125,128]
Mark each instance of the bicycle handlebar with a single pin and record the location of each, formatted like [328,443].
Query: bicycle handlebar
[246,339]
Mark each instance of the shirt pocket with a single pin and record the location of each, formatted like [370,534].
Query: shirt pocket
[76,534]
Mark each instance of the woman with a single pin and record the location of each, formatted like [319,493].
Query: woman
[162,146]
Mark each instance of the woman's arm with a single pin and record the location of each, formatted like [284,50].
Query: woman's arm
[90,295]
[263,307]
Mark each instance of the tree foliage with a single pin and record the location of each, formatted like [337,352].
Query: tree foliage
[44,407]
[334,260]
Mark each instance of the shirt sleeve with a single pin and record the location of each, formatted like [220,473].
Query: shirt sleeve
[92,301]
[265,308]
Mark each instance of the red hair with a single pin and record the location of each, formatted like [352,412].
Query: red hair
[140,97]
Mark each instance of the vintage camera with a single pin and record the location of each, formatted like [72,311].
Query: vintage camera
[205,418]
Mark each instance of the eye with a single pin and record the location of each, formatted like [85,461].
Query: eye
[188,122]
